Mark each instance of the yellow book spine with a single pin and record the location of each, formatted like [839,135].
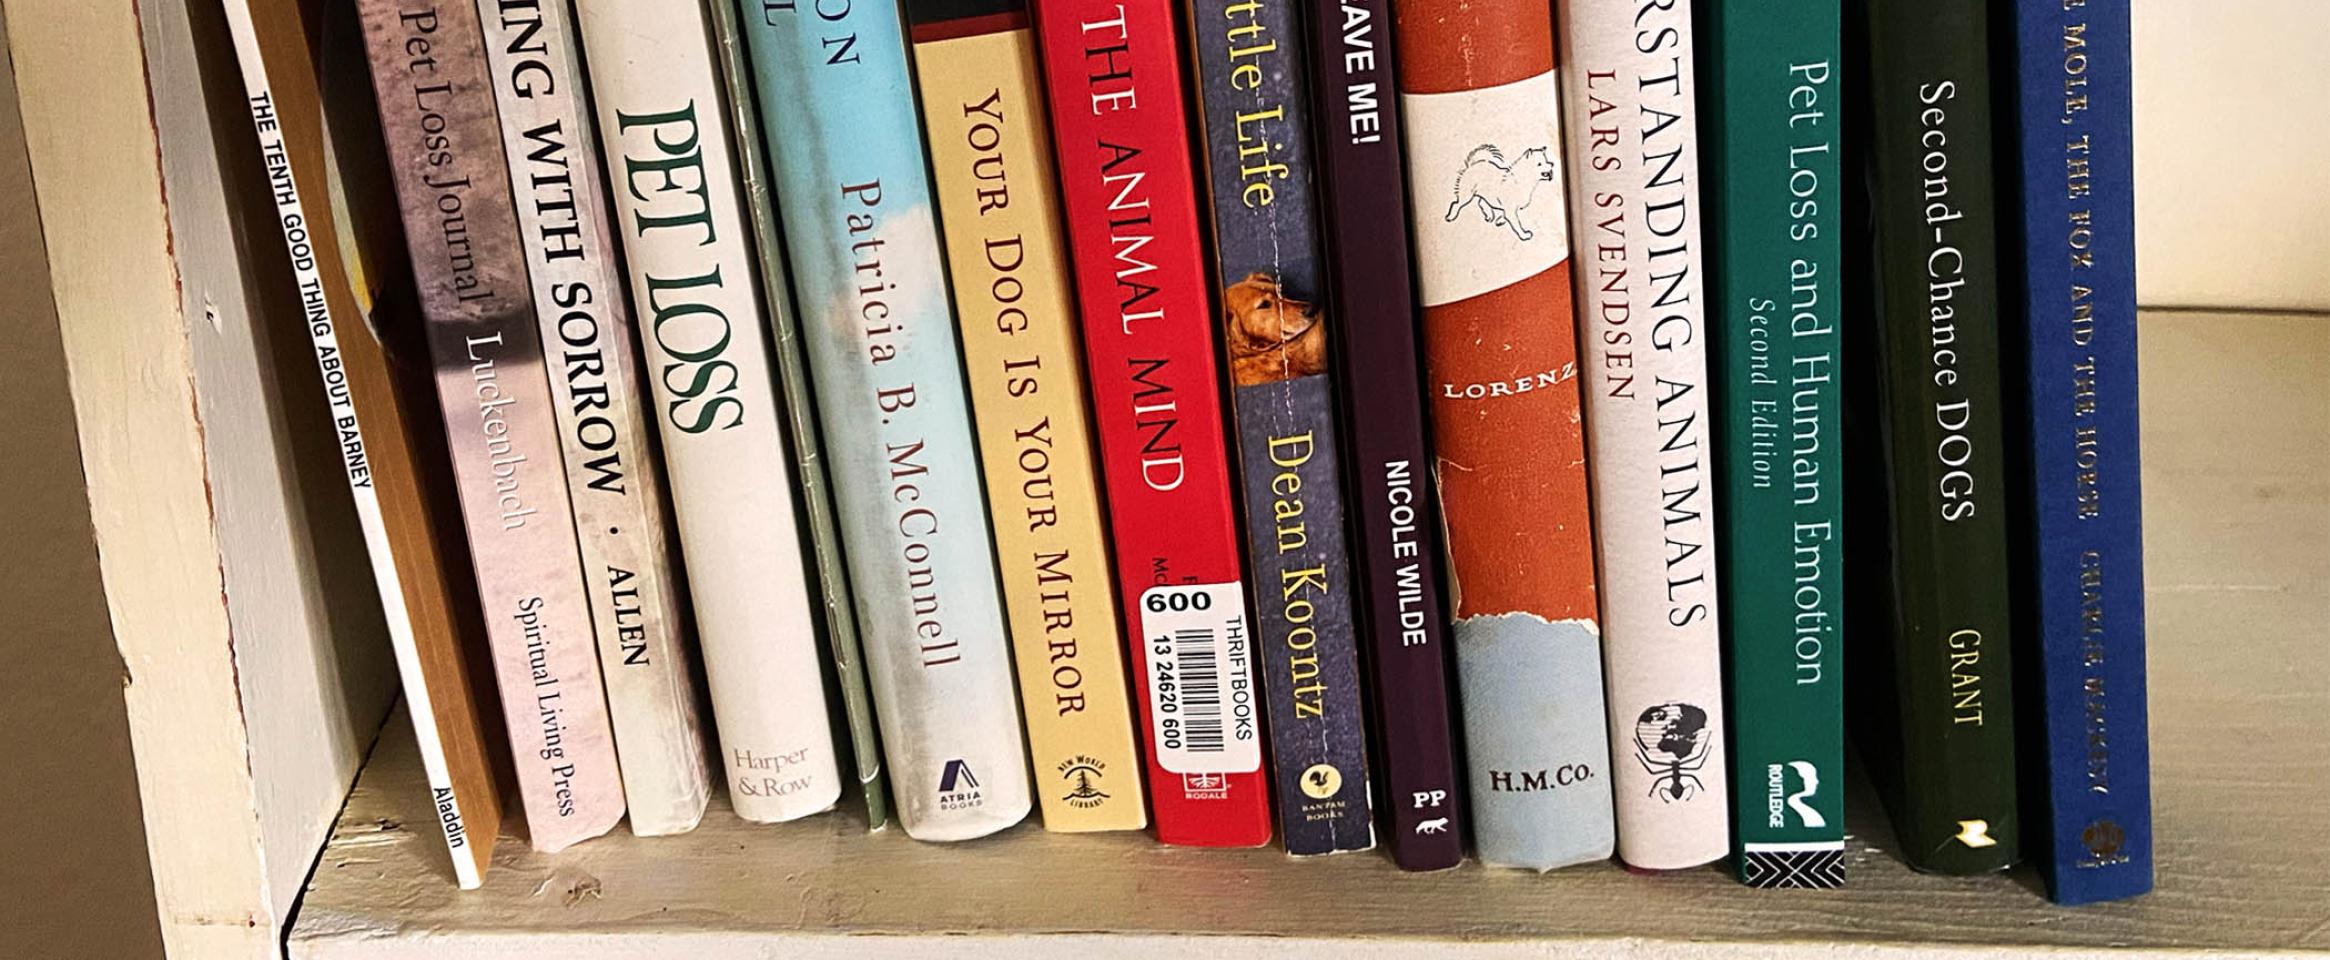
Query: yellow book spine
[991,156]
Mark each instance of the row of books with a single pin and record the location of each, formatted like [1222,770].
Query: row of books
[1190,411]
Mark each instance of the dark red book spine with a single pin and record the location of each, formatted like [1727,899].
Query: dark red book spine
[1129,180]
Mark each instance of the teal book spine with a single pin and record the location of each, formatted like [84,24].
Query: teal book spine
[845,147]
[1770,86]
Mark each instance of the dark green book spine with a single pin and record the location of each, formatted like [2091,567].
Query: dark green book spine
[1948,766]
[1772,89]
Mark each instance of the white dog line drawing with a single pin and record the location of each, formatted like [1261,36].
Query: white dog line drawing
[1501,189]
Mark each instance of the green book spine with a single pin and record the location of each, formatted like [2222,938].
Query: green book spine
[1945,759]
[1772,85]
[801,413]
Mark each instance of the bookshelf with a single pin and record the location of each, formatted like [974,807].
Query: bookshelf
[2240,517]
[256,680]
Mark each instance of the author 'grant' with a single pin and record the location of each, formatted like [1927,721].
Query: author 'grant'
[1945,267]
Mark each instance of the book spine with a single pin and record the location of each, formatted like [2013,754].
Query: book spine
[991,148]
[1935,215]
[617,491]
[437,111]
[1480,105]
[1276,321]
[838,118]
[2077,264]
[1634,166]
[657,100]
[358,388]
[1770,85]
[1129,185]
[1372,285]
[792,368]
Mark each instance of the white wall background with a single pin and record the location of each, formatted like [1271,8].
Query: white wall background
[2233,153]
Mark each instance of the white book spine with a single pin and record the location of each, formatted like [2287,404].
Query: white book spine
[348,435]
[587,339]
[1634,168]
[658,102]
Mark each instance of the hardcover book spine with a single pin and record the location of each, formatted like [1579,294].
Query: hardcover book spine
[1129,186]
[838,117]
[792,366]
[1480,104]
[1771,74]
[1934,209]
[657,100]
[991,149]
[1372,286]
[437,112]
[2085,536]
[617,491]
[429,614]
[1634,165]
[1255,114]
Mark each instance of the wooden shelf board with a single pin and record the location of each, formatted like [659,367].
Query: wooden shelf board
[2238,497]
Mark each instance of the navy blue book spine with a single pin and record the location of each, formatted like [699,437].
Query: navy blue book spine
[2083,539]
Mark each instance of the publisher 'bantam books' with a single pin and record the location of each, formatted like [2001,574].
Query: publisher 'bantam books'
[1455,427]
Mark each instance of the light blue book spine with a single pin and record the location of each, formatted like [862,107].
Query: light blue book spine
[870,286]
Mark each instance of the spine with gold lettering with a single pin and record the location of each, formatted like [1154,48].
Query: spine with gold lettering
[1633,142]
[1771,89]
[617,488]
[437,115]
[657,98]
[1128,182]
[1275,320]
[397,474]
[837,110]
[1480,104]
[999,213]
[1941,737]
[2080,493]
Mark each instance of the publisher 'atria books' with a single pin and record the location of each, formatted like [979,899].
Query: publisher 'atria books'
[869,281]
[998,193]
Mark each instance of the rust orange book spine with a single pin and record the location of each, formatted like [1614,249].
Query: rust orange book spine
[1478,98]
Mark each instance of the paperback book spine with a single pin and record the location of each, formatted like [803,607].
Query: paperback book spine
[1480,105]
[1634,167]
[991,148]
[1396,566]
[1770,75]
[1129,184]
[657,100]
[416,565]
[1255,113]
[2084,537]
[1950,777]
[437,111]
[585,320]
[792,367]
[838,117]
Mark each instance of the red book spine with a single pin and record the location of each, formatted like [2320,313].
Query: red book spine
[1129,179]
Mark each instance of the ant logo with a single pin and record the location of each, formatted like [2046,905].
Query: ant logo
[1672,742]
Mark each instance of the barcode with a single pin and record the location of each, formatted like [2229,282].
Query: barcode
[1198,656]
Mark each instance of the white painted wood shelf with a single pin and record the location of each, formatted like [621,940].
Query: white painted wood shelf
[2237,419]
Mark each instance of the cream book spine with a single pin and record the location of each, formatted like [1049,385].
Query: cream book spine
[588,340]
[659,106]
